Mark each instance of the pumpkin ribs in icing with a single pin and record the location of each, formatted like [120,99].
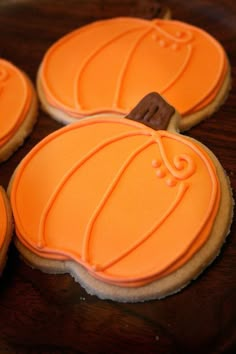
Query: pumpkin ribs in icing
[109,65]
[117,203]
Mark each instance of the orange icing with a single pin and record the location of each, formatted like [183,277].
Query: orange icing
[15,96]
[3,220]
[108,66]
[128,203]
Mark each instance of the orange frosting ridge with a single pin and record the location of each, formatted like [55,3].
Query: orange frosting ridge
[119,200]
[110,65]
[15,97]
[3,221]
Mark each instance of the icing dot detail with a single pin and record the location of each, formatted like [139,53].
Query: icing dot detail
[174,46]
[156,163]
[179,34]
[171,182]
[160,172]
[163,43]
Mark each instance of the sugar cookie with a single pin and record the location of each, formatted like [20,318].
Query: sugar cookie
[131,212]
[109,65]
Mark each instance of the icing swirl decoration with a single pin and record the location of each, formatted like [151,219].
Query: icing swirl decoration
[182,165]
[81,211]
[127,58]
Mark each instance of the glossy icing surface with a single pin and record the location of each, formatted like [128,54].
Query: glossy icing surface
[128,203]
[15,96]
[110,65]
[3,220]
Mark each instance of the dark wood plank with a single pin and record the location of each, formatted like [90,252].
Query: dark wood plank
[42,313]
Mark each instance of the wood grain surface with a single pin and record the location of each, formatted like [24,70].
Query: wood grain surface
[51,314]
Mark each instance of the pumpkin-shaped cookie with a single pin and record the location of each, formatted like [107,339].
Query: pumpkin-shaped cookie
[109,65]
[6,227]
[132,212]
[18,108]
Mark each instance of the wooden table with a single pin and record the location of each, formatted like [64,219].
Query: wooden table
[51,314]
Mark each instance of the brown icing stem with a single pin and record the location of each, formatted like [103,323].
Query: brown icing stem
[152,111]
[149,9]
[161,11]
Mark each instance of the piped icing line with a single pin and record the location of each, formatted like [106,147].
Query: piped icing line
[181,191]
[124,68]
[89,59]
[77,165]
[25,102]
[107,194]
